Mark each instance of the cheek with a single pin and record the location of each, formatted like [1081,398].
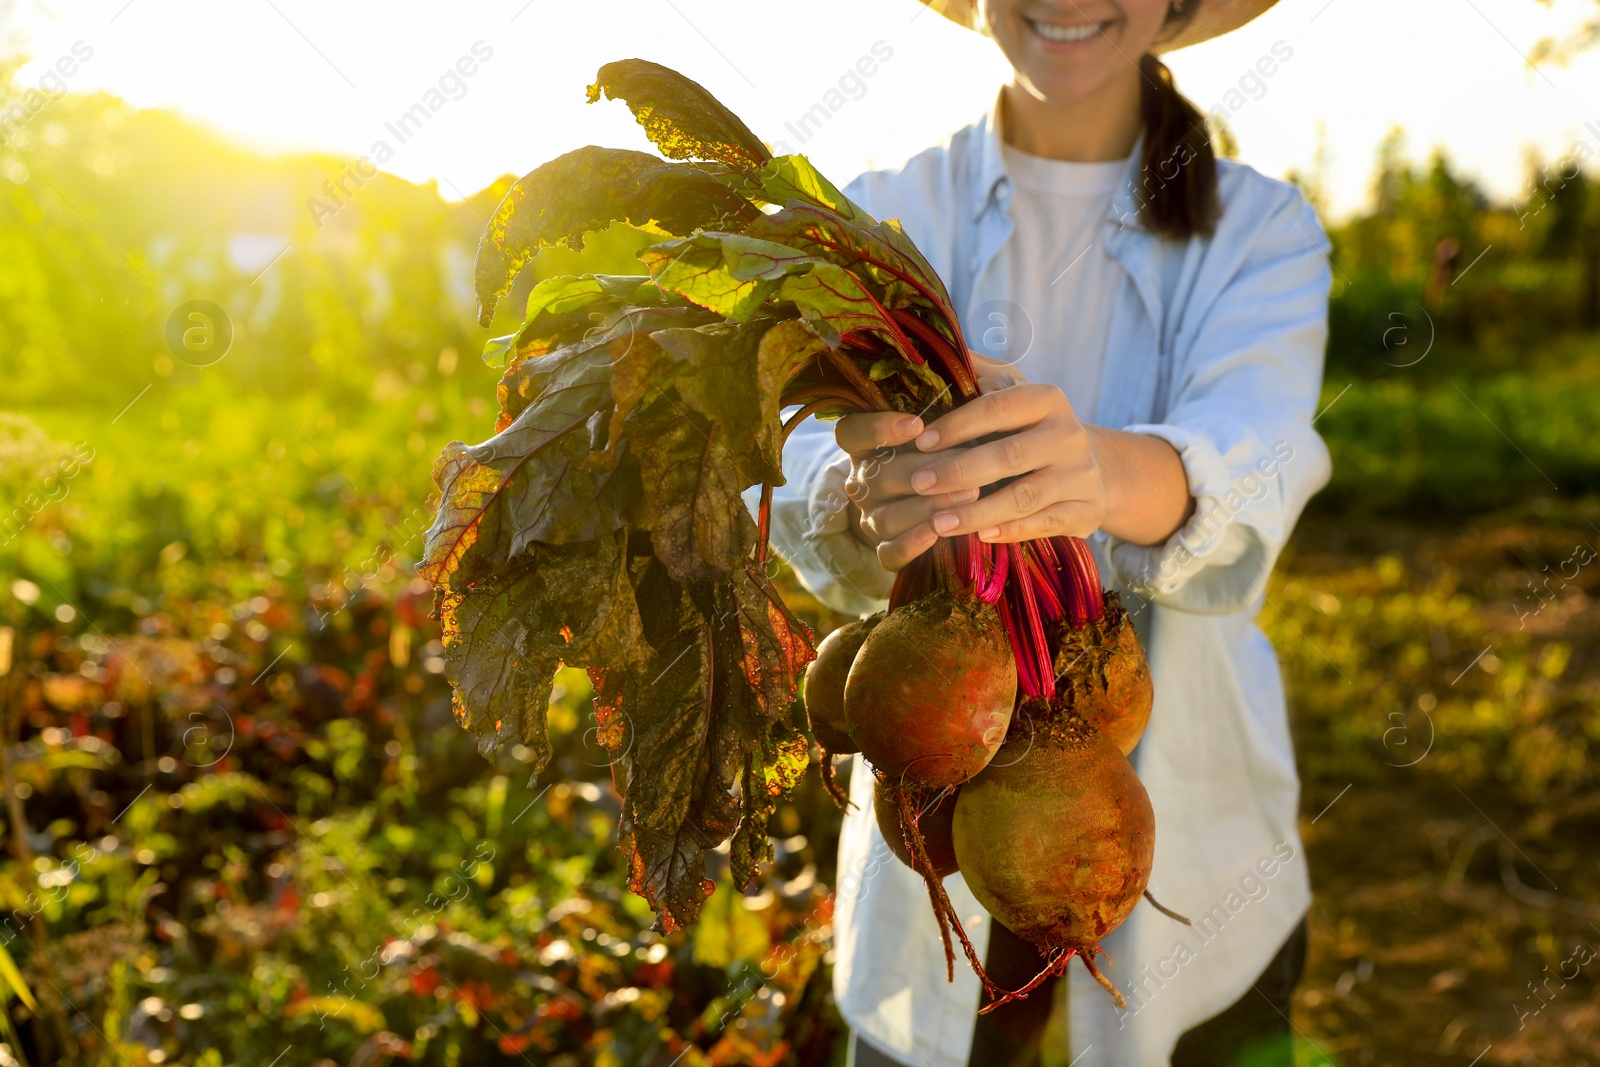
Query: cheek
[1146,18]
[990,12]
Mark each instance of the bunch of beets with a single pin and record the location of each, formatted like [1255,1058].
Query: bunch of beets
[682,307]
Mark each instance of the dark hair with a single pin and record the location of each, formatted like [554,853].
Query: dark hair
[1178,191]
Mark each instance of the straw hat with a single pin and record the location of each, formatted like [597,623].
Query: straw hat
[1214,18]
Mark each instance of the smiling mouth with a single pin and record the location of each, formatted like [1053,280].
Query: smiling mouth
[1057,34]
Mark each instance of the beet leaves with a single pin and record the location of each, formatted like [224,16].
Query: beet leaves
[602,526]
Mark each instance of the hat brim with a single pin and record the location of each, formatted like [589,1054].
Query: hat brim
[1215,18]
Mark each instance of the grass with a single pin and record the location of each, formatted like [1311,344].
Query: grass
[1409,443]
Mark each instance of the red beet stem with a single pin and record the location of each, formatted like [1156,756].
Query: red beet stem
[765,524]
[1086,601]
[994,586]
[863,385]
[1047,580]
[1036,674]
[813,392]
[959,370]
[803,414]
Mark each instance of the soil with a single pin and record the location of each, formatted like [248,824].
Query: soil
[1456,926]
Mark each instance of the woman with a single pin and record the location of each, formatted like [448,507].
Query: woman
[1154,321]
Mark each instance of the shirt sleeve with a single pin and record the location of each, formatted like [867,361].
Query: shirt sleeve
[1244,394]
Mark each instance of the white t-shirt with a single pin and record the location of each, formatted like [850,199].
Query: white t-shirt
[1062,281]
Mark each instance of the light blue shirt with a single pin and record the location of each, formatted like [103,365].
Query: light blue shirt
[1215,345]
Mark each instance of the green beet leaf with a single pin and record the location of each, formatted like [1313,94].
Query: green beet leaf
[530,482]
[603,525]
[790,178]
[729,375]
[775,646]
[679,116]
[566,309]
[828,293]
[689,728]
[585,190]
[728,273]
[504,639]
[497,350]
[613,250]
[600,333]
[877,252]
[692,490]
[563,295]
[769,775]
[734,376]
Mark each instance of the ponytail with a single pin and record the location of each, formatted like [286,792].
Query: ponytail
[1178,192]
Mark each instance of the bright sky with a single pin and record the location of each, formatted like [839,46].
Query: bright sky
[282,74]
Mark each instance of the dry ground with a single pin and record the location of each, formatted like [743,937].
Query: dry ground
[1457,912]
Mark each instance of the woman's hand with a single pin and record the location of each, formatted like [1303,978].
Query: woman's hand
[1026,448]
[901,521]
[884,510]
[1013,465]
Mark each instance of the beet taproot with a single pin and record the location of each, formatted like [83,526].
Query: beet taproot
[1102,677]
[1055,838]
[825,678]
[930,694]
[937,809]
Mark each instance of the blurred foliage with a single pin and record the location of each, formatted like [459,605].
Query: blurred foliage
[239,816]
[1568,47]
[247,821]
[1464,347]
[1467,695]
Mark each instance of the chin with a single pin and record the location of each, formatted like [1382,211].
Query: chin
[1063,84]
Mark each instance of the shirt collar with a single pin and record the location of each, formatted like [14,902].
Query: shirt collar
[993,184]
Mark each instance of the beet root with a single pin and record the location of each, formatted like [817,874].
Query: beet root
[937,809]
[1102,677]
[930,694]
[1055,839]
[825,678]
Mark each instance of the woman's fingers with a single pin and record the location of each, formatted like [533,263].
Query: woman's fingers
[1014,454]
[1069,518]
[910,496]
[897,552]
[997,412]
[865,433]
[995,374]
[1044,498]
[875,479]
[994,519]
[892,519]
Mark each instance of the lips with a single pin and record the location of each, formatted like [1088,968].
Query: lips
[1056,33]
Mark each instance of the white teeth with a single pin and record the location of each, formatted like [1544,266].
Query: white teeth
[1064,34]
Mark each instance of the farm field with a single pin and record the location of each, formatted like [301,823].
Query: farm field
[239,815]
